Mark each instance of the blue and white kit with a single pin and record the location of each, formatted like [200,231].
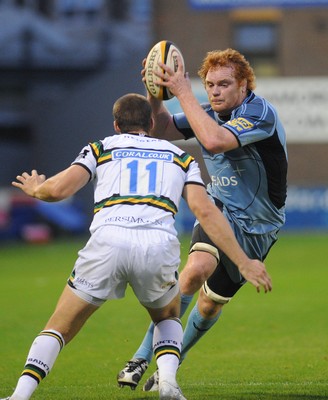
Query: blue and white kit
[249,182]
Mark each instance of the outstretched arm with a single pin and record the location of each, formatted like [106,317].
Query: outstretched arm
[218,229]
[58,187]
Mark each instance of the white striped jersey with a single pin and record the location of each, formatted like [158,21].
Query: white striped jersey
[138,180]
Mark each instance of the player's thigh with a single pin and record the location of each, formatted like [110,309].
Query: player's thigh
[153,273]
[202,260]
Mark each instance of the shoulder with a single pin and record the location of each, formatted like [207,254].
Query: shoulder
[104,141]
[258,101]
[257,107]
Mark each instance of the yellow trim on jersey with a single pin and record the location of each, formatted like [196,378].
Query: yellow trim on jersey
[159,202]
[183,162]
[96,148]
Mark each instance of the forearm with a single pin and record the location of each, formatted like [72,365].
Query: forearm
[50,191]
[56,188]
[164,127]
[218,229]
[206,129]
[62,185]
[220,232]
[162,121]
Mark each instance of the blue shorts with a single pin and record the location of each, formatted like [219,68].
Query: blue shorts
[226,279]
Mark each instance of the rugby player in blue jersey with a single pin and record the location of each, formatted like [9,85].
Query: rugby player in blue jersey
[243,144]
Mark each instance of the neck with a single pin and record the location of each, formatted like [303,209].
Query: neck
[140,133]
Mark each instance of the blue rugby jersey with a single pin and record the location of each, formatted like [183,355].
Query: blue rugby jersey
[250,181]
[138,179]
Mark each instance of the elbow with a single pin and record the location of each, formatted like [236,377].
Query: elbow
[203,214]
[214,147]
[220,141]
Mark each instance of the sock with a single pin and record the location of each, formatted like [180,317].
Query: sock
[185,301]
[145,350]
[196,327]
[167,348]
[41,358]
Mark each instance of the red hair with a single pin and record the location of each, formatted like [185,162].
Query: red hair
[228,58]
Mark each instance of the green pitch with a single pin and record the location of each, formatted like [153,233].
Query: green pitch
[265,346]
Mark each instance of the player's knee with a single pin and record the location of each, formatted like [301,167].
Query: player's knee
[207,307]
[201,263]
[191,279]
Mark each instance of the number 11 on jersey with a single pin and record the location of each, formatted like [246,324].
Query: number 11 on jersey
[141,177]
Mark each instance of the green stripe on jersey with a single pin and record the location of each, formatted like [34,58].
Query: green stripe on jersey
[158,202]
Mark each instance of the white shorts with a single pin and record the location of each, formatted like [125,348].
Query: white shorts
[113,257]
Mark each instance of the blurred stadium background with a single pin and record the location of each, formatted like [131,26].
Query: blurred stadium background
[64,62]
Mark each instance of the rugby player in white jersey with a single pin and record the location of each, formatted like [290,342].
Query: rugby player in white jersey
[138,183]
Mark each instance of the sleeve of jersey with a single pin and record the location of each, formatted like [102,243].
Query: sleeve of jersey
[194,174]
[87,158]
[182,124]
[255,122]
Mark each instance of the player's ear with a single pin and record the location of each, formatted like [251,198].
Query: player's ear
[243,85]
[116,127]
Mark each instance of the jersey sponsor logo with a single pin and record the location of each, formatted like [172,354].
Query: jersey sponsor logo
[224,181]
[241,124]
[144,154]
[134,220]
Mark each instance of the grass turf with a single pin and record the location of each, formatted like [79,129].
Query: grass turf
[265,346]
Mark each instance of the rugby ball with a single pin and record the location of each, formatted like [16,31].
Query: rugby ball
[166,52]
